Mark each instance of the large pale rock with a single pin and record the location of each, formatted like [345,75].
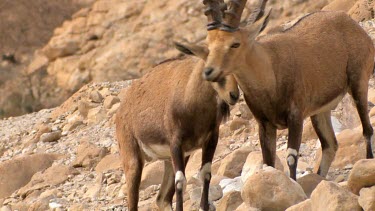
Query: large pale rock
[109,162]
[152,174]
[367,198]
[230,185]
[352,147]
[254,162]
[329,196]
[231,165]
[362,175]
[17,172]
[309,182]
[305,206]
[50,177]
[88,154]
[230,201]
[271,189]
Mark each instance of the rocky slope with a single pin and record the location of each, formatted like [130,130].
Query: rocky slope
[25,27]
[66,158]
[113,40]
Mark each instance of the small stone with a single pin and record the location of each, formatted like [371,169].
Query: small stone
[54,205]
[110,101]
[72,125]
[96,115]
[96,97]
[50,137]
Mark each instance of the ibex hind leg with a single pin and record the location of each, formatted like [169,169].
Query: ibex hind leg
[359,89]
[133,165]
[323,127]
[167,189]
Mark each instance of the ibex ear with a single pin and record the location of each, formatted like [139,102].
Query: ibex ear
[191,49]
[259,25]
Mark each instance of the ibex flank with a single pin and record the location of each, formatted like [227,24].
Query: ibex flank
[287,76]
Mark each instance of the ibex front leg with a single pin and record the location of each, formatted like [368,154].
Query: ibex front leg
[179,168]
[295,126]
[208,152]
[267,138]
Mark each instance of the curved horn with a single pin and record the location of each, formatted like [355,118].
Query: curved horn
[258,12]
[233,15]
[214,13]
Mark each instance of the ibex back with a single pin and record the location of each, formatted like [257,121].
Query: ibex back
[287,76]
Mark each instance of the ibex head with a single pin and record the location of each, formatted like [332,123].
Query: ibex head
[226,41]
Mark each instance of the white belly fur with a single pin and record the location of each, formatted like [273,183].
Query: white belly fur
[158,152]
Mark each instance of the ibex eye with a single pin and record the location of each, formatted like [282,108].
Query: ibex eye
[235,45]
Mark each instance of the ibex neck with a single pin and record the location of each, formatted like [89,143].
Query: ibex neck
[198,90]
[256,73]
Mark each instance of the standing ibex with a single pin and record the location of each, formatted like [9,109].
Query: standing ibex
[167,114]
[287,76]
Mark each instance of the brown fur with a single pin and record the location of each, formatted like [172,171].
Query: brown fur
[174,108]
[302,72]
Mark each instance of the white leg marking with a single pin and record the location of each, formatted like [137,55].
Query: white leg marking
[205,172]
[292,152]
[291,160]
[180,180]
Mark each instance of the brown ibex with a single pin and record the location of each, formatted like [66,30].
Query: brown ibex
[167,114]
[287,76]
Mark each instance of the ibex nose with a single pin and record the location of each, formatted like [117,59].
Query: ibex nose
[234,96]
[208,71]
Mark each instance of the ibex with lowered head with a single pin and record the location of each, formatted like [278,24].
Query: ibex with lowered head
[167,114]
[287,76]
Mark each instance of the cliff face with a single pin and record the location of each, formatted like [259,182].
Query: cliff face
[114,40]
[26,26]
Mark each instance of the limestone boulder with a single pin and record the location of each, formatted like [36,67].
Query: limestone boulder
[231,166]
[362,175]
[52,176]
[305,206]
[309,182]
[17,172]
[254,162]
[329,196]
[152,174]
[367,198]
[271,189]
[230,201]
[351,148]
